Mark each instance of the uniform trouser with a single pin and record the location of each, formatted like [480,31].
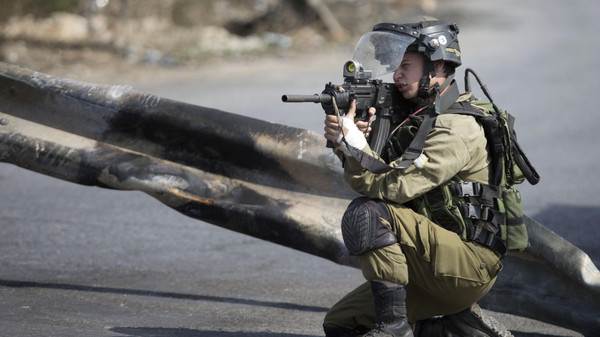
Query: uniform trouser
[442,273]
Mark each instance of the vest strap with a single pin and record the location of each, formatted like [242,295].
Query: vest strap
[478,216]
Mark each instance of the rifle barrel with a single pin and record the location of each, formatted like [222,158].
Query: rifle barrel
[316,98]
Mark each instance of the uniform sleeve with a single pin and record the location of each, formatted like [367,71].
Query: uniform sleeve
[446,155]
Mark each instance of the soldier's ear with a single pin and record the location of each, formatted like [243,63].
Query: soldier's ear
[439,69]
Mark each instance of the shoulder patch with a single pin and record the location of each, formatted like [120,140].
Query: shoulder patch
[464,97]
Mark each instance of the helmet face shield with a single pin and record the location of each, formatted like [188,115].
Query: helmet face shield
[381,52]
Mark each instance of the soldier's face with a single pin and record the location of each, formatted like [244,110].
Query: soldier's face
[408,74]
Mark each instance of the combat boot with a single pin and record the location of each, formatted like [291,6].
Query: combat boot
[390,310]
[334,331]
[471,322]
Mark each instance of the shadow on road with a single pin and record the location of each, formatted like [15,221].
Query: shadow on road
[180,332]
[161,294]
[531,334]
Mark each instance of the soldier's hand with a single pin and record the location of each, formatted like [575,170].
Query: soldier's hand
[332,124]
[365,126]
[332,129]
[353,135]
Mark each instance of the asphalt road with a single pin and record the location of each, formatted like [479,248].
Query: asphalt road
[81,261]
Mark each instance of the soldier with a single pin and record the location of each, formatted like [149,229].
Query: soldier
[428,233]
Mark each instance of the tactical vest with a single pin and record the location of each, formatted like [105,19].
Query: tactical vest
[492,214]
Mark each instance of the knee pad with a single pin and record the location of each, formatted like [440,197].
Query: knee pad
[366,226]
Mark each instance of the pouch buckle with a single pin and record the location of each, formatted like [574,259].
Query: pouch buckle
[468,189]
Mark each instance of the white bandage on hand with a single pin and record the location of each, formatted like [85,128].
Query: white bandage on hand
[421,161]
[354,137]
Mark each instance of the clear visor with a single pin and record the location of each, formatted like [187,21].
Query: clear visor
[381,52]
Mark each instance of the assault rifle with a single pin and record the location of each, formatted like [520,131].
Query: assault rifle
[367,92]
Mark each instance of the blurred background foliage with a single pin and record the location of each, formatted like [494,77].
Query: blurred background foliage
[36,7]
[54,33]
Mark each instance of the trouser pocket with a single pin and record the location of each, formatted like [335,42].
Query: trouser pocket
[466,262]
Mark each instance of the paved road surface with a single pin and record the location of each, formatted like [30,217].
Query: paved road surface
[80,261]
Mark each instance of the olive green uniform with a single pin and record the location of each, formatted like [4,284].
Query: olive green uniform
[443,273]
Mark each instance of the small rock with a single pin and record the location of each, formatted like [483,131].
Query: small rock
[307,37]
[217,40]
[277,40]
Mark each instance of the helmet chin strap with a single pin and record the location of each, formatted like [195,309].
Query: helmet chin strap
[424,93]
[431,94]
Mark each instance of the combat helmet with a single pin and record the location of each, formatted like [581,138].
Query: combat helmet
[436,39]
[381,50]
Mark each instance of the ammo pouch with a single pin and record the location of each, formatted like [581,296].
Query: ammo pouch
[472,210]
[514,233]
